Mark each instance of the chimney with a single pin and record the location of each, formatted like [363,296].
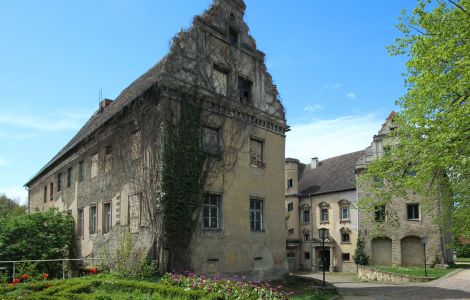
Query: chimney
[314,163]
[105,103]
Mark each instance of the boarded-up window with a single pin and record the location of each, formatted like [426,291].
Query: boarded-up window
[134,213]
[94,165]
[256,153]
[210,140]
[220,81]
[59,182]
[108,159]
[69,177]
[244,90]
[136,144]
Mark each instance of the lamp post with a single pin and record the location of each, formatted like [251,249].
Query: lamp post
[323,233]
[424,240]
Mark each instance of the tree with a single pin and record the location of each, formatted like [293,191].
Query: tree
[360,257]
[40,235]
[433,125]
[9,207]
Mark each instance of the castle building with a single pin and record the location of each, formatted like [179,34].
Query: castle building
[206,116]
[321,194]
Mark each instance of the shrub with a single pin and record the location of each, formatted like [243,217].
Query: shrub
[360,257]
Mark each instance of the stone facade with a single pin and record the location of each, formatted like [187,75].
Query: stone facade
[393,232]
[368,274]
[216,60]
[321,195]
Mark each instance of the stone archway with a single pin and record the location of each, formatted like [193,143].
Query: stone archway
[412,252]
[381,251]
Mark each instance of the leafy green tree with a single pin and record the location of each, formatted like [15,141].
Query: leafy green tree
[360,257]
[9,207]
[431,155]
[38,235]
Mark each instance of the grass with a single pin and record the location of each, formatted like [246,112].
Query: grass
[414,271]
[310,296]
[462,259]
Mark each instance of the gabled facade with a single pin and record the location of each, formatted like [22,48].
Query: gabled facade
[321,194]
[110,176]
[392,232]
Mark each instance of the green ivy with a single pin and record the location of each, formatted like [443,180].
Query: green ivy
[183,180]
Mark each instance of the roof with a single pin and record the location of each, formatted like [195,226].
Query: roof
[331,175]
[127,96]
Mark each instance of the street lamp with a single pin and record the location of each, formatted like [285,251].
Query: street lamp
[424,240]
[323,233]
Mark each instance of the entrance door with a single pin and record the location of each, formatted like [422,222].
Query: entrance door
[324,259]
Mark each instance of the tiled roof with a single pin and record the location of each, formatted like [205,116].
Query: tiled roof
[331,175]
[135,89]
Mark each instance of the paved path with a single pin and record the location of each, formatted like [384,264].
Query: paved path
[455,286]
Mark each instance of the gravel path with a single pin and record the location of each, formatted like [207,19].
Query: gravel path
[453,286]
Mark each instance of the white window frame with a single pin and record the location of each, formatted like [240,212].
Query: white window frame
[256,216]
[93,219]
[208,208]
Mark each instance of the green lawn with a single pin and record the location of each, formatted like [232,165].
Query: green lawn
[462,259]
[414,271]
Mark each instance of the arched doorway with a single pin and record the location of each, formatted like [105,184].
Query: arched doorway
[381,251]
[412,252]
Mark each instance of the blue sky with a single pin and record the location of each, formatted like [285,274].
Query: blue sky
[328,58]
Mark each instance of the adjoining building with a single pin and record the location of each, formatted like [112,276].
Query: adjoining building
[115,175]
[321,194]
[393,231]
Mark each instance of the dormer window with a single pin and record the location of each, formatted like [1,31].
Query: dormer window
[233,36]
[244,90]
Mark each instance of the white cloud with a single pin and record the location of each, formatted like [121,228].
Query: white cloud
[3,162]
[331,87]
[62,120]
[351,95]
[313,108]
[328,138]
[16,193]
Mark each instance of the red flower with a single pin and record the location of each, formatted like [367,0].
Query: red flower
[45,276]
[93,270]
[24,276]
[11,284]
[16,280]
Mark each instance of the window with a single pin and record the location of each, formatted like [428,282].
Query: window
[93,220]
[108,158]
[306,216]
[211,211]
[69,177]
[344,213]
[51,192]
[413,211]
[256,214]
[81,223]
[210,140]
[45,194]
[94,165]
[346,256]
[324,215]
[291,254]
[256,153]
[290,206]
[81,171]
[380,213]
[290,231]
[59,182]
[233,36]
[220,80]
[244,90]
[290,183]
[306,237]
[307,255]
[107,218]
[136,144]
[345,237]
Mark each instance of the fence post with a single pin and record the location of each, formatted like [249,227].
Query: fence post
[14,267]
[63,269]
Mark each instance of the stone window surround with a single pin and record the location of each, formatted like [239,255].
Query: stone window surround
[324,205]
[343,203]
[345,230]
